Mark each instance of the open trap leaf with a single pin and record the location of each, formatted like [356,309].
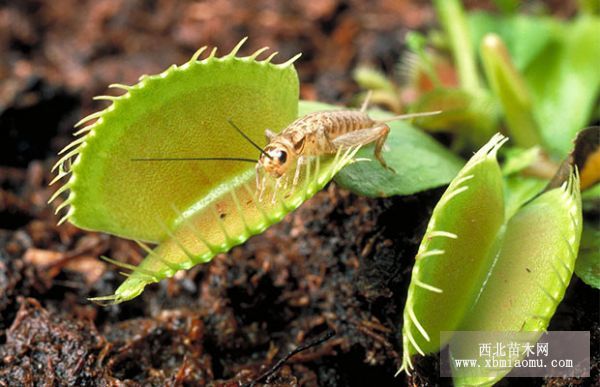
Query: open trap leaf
[179,113]
[479,269]
[194,208]
[223,220]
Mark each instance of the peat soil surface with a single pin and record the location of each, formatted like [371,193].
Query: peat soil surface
[339,265]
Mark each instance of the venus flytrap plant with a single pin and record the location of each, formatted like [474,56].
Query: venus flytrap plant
[195,209]
[542,79]
[482,268]
[164,163]
[539,71]
[533,268]
[180,112]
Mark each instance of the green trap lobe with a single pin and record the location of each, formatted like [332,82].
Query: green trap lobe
[459,236]
[182,112]
[227,220]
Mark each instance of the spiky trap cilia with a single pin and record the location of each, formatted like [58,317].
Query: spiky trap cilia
[194,210]
[483,267]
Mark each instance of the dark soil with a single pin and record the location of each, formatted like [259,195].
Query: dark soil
[340,263]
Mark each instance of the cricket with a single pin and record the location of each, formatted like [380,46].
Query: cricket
[313,135]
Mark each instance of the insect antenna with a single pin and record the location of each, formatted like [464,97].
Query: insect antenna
[411,115]
[248,138]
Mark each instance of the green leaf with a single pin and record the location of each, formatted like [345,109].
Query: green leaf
[181,112]
[525,36]
[564,82]
[511,91]
[538,247]
[531,271]
[454,21]
[519,190]
[419,161]
[474,117]
[225,218]
[517,159]
[455,254]
[587,266]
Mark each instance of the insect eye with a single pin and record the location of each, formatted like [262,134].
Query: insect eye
[282,157]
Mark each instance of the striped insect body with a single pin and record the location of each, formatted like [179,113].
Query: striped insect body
[318,134]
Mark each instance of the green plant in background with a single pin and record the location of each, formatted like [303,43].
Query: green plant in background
[542,81]
[541,87]
[197,209]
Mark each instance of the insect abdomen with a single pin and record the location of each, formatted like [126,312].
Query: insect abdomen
[333,123]
[343,122]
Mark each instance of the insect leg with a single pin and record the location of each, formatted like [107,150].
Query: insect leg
[258,186]
[377,133]
[262,187]
[285,178]
[299,164]
[379,143]
[257,176]
[276,189]
[260,182]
